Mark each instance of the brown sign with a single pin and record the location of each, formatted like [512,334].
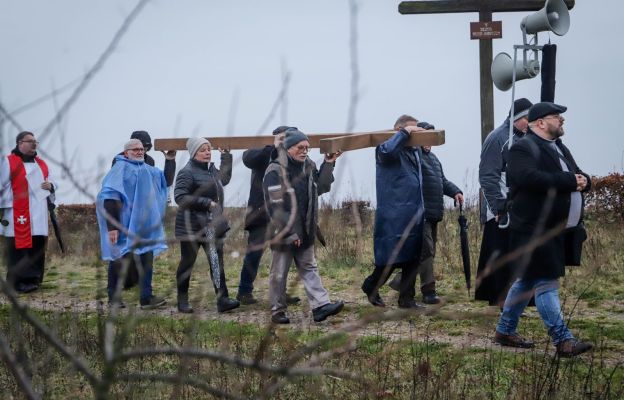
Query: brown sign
[486,30]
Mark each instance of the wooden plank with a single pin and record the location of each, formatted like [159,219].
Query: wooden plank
[345,143]
[242,142]
[360,141]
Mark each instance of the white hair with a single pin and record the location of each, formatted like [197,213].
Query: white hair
[132,143]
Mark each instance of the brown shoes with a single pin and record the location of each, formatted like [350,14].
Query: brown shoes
[572,347]
[514,340]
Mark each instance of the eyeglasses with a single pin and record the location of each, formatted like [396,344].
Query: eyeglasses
[302,149]
[138,150]
[29,141]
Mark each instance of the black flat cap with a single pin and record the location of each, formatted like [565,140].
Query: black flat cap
[540,110]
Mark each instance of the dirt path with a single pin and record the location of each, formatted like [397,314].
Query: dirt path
[392,328]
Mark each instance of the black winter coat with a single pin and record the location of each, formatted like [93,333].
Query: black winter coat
[303,182]
[539,186]
[257,160]
[435,186]
[198,185]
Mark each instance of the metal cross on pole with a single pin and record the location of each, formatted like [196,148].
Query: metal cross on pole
[485,8]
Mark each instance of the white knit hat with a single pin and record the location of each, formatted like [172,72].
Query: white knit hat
[193,144]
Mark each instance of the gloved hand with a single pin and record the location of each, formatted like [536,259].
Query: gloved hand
[425,125]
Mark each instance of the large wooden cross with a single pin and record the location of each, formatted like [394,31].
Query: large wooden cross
[485,8]
[326,142]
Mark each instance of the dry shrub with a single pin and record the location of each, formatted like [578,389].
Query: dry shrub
[605,201]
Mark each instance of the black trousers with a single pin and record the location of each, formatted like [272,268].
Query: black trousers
[255,247]
[189,250]
[380,275]
[25,266]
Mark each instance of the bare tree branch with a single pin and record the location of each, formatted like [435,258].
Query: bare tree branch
[99,64]
[43,330]
[15,367]
[44,98]
[355,69]
[174,379]
[278,101]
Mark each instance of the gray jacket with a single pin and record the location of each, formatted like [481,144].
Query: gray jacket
[492,171]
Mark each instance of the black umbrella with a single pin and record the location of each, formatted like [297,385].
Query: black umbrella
[55,225]
[465,248]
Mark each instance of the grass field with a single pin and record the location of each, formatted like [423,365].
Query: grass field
[364,352]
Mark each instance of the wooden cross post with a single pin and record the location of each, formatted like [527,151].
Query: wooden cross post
[485,8]
[326,142]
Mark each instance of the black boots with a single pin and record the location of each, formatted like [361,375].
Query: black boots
[226,304]
[429,295]
[280,318]
[183,304]
[321,313]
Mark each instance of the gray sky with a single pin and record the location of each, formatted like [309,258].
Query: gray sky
[186,67]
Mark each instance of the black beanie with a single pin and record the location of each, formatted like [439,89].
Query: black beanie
[144,137]
[521,108]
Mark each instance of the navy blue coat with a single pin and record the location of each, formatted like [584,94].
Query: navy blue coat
[400,210]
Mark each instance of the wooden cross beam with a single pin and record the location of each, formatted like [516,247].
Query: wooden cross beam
[485,8]
[327,142]
[360,141]
[236,142]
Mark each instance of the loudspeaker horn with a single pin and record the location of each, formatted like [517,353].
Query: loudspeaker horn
[554,16]
[502,71]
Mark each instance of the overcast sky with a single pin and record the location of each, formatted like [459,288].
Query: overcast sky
[191,67]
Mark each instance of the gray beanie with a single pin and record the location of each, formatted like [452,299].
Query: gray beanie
[293,136]
[193,144]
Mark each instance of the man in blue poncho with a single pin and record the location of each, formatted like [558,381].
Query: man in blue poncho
[130,210]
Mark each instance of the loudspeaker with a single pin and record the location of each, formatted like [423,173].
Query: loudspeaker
[554,16]
[502,70]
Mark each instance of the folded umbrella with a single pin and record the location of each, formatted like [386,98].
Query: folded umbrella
[55,225]
[465,248]
[212,252]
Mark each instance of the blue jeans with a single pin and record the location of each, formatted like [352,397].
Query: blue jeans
[546,301]
[251,263]
[144,266]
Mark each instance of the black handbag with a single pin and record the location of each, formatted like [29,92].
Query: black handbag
[573,239]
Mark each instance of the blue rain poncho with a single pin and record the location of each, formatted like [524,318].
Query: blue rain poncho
[142,191]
